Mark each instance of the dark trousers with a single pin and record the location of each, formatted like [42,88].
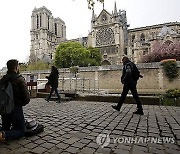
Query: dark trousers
[132,87]
[13,124]
[57,93]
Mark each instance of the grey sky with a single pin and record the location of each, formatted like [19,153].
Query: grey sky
[15,18]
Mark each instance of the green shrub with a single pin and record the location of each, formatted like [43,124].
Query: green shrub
[172,93]
[171,69]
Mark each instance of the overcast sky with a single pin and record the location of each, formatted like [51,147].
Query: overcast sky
[15,16]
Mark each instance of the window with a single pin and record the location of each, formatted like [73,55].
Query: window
[132,51]
[142,39]
[62,30]
[48,22]
[133,38]
[125,51]
[37,21]
[55,28]
[145,51]
[40,20]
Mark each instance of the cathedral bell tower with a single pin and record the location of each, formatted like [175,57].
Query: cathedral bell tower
[46,33]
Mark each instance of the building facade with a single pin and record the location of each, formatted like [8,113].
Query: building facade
[109,32]
[141,40]
[46,33]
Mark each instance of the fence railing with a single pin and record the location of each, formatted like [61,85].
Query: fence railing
[77,85]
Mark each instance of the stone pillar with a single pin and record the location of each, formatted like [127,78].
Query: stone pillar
[160,78]
[33,22]
[44,20]
[50,24]
[96,82]
[116,34]
[121,40]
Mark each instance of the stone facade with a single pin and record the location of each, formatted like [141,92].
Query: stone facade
[109,32]
[141,40]
[46,33]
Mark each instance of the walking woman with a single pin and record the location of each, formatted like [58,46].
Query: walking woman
[53,82]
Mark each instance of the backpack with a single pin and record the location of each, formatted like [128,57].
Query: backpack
[6,95]
[135,72]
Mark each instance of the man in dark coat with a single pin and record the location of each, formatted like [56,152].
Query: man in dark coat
[53,82]
[13,124]
[129,78]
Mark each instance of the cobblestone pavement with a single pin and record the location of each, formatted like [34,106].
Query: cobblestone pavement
[95,128]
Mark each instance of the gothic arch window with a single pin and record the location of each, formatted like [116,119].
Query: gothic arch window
[62,29]
[55,28]
[142,38]
[37,21]
[145,51]
[153,35]
[133,52]
[40,20]
[125,51]
[48,22]
[133,38]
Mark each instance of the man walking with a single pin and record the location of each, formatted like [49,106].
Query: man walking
[13,124]
[129,78]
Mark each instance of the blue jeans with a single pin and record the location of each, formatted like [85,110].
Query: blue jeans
[57,93]
[13,124]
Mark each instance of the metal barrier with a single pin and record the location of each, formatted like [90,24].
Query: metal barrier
[76,84]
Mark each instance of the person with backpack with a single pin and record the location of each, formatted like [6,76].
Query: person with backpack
[13,123]
[53,82]
[129,78]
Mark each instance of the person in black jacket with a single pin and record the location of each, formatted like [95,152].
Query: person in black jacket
[53,82]
[13,124]
[129,78]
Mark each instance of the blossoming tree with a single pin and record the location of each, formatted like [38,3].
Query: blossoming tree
[165,50]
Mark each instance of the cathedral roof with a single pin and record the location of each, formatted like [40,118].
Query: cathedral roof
[104,11]
[166,31]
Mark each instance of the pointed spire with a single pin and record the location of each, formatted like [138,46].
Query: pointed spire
[93,15]
[115,10]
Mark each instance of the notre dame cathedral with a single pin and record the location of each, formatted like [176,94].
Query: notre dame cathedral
[109,33]
[47,32]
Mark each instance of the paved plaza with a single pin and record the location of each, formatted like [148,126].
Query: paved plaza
[80,127]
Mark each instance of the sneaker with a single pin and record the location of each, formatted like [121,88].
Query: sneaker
[2,138]
[140,112]
[115,107]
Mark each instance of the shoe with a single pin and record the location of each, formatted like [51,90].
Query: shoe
[2,138]
[46,99]
[140,112]
[115,107]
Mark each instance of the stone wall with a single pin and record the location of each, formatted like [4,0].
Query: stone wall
[107,79]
